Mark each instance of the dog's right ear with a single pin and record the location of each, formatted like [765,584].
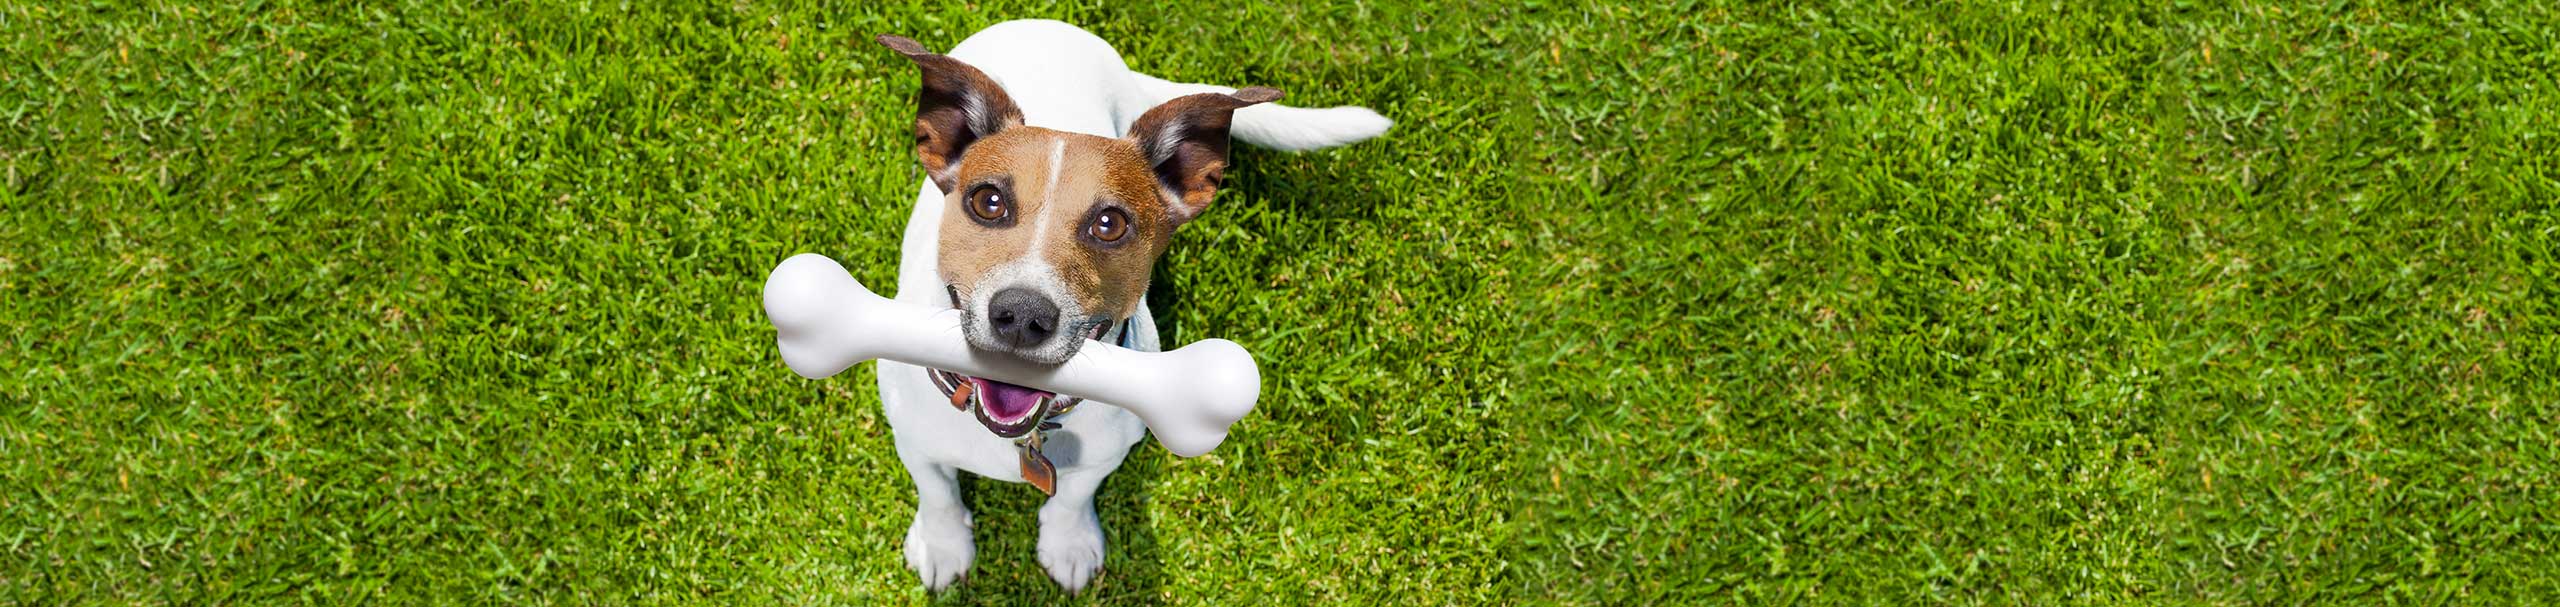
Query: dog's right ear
[956,105]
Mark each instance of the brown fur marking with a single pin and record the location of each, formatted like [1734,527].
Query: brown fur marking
[969,134]
[1107,279]
[955,106]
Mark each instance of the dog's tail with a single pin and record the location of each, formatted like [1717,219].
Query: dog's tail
[1272,125]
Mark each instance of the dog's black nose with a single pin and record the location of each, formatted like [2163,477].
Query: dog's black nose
[1022,318]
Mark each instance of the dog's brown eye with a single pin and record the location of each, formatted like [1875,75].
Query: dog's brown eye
[989,204]
[1109,225]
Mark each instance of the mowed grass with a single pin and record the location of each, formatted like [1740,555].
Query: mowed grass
[1639,304]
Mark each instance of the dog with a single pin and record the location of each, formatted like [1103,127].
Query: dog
[1055,176]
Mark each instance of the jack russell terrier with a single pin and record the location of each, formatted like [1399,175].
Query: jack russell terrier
[1054,178]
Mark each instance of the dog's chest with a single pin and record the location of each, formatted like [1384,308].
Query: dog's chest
[927,427]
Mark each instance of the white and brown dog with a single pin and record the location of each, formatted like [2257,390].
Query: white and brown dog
[1055,177]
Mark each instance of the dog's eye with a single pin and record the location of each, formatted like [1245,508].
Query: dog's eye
[1109,225]
[989,204]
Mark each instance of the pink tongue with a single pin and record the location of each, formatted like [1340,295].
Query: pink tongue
[1008,403]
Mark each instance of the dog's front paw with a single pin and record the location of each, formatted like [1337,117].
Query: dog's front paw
[939,548]
[1071,550]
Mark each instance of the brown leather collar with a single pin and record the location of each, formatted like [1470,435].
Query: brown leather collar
[1036,467]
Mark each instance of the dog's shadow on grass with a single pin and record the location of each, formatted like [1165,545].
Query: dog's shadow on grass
[1300,189]
[1008,533]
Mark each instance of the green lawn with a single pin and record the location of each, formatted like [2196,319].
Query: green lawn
[1640,303]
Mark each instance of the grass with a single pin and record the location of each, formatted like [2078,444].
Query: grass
[1977,302]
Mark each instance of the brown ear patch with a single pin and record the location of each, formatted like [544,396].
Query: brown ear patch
[1256,94]
[956,105]
[1185,142]
[903,44]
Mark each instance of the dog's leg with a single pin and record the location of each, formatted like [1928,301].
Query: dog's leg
[1071,542]
[939,548]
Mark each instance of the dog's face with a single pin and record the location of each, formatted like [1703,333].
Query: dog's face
[1048,237]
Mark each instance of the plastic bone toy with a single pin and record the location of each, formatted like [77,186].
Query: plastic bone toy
[828,322]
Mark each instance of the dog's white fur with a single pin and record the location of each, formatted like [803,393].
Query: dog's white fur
[1066,79]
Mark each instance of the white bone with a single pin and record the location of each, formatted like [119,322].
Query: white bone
[827,321]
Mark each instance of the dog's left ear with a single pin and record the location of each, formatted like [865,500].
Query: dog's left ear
[956,105]
[1185,141]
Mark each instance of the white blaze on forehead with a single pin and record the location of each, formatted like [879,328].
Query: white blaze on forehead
[1057,158]
[1057,168]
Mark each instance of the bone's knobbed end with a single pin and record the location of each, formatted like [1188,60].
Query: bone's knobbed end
[796,293]
[1223,384]
[800,298]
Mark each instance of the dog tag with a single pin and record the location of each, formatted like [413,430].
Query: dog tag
[1036,468]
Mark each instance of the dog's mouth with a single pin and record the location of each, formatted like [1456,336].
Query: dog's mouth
[1008,410]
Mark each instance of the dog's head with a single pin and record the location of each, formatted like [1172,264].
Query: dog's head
[1048,237]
